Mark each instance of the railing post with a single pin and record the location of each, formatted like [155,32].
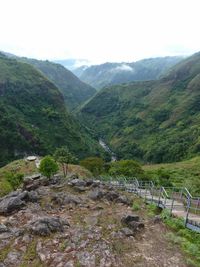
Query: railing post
[160,191]
[188,209]
[198,201]
[152,194]
[145,194]
[172,197]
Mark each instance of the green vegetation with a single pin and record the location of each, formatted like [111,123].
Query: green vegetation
[33,116]
[152,121]
[179,174]
[108,74]
[48,166]
[74,91]
[188,240]
[126,168]
[64,157]
[14,180]
[93,164]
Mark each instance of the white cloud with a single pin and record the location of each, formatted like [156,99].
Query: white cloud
[106,30]
[123,67]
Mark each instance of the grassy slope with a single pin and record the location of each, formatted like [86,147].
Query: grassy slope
[153,121]
[185,173]
[33,116]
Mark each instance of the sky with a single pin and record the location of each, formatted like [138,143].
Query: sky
[99,30]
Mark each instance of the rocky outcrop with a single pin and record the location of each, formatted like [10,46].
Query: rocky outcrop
[63,199]
[47,225]
[59,225]
[16,201]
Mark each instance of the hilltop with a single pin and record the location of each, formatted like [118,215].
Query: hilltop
[153,121]
[82,223]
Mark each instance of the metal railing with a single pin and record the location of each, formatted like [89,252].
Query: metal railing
[176,200]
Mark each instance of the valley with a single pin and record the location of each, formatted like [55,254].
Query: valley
[148,129]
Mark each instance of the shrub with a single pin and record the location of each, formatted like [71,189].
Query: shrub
[93,164]
[14,179]
[48,166]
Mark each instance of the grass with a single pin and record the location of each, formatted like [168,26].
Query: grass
[179,174]
[16,167]
[187,240]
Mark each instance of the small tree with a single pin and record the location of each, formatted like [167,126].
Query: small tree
[48,166]
[93,164]
[64,157]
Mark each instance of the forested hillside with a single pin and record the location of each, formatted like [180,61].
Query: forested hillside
[75,92]
[154,121]
[33,115]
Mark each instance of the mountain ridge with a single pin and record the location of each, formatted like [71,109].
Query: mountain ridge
[108,74]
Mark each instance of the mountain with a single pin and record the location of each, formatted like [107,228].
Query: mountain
[154,121]
[108,74]
[75,92]
[33,115]
[72,63]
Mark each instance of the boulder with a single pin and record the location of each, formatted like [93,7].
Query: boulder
[96,194]
[12,203]
[32,196]
[111,195]
[30,184]
[127,232]
[46,225]
[63,199]
[77,182]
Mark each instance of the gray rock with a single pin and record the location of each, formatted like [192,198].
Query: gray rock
[33,196]
[11,204]
[78,182]
[2,265]
[123,199]
[96,194]
[130,218]
[69,264]
[3,228]
[80,188]
[127,232]
[13,258]
[86,259]
[30,184]
[136,225]
[111,195]
[47,225]
[63,199]
[33,177]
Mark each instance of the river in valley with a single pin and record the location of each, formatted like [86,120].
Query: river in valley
[107,149]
